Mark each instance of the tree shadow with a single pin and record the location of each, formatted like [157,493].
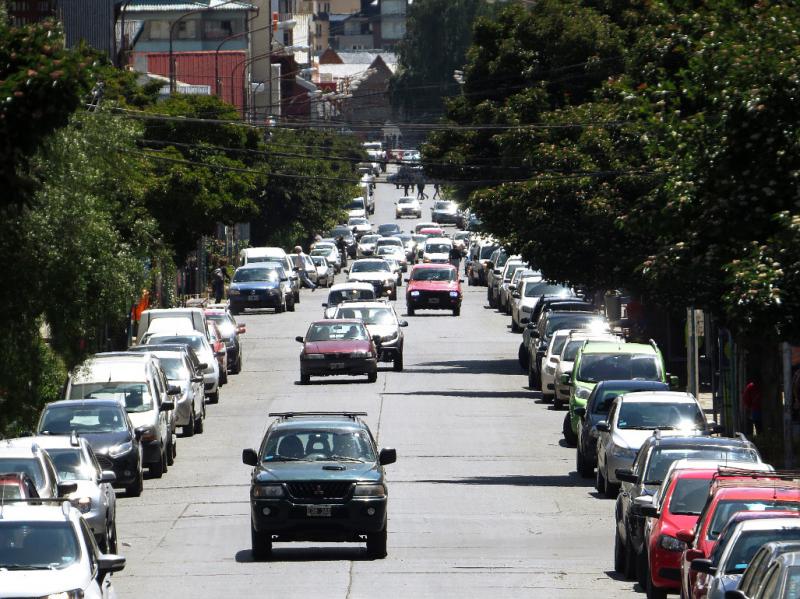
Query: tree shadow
[328,381]
[500,366]
[463,393]
[571,479]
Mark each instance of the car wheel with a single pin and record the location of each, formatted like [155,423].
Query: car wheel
[569,436]
[174,446]
[397,363]
[281,308]
[305,379]
[170,455]
[290,306]
[600,481]
[376,544]
[198,424]
[514,327]
[584,468]
[223,376]
[297,297]
[534,382]
[157,469]
[189,429]
[619,554]
[630,559]
[261,545]
[652,591]
[612,489]
[410,311]
[111,537]
[457,311]
[393,294]
[642,569]
[372,377]
[214,397]
[557,402]
[522,356]
[135,490]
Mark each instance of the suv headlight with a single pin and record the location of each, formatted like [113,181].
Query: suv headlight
[369,490]
[671,543]
[414,293]
[268,491]
[454,294]
[74,594]
[582,393]
[233,292]
[120,450]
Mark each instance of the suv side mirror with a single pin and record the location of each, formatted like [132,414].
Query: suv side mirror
[703,565]
[65,489]
[324,304]
[580,412]
[108,563]
[602,426]
[376,339]
[626,475]
[403,323]
[197,379]
[299,339]
[107,476]
[640,503]
[174,390]
[249,457]
[241,329]
[387,455]
[566,378]
[674,382]
[202,365]
[687,536]
[139,432]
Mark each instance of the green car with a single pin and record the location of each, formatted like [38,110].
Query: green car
[609,361]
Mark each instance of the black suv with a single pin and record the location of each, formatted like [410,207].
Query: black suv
[318,476]
[649,468]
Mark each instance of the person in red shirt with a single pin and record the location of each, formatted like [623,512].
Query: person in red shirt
[751,402]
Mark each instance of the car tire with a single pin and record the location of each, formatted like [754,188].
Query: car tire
[619,553]
[135,490]
[376,544]
[305,379]
[261,545]
[600,481]
[514,327]
[557,403]
[410,311]
[214,397]
[612,490]
[290,307]
[372,377]
[522,356]
[630,560]
[223,376]
[157,469]
[569,436]
[397,363]
[111,537]
[199,424]
[189,429]
[169,455]
[584,468]
[297,297]
[652,591]
[642,569]
[457,311]
[393,295]
[281,308]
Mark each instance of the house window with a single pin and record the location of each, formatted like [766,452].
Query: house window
[217,29]
[185,30]
[158,30]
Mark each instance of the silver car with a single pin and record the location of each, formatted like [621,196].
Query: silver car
[381,320]
[190,409]
[324,270]
[94,497]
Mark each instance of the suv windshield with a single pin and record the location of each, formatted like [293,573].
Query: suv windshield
[662,458]
[538,288]
[376,266]
[136,395]
[318,445]
[37,545]
[660,415]
[249,275]
[727,508]
[377,316]
[604,367]
[337,297]
[433,274]
[29,466]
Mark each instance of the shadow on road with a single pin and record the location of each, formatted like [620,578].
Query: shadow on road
[328,381]
[571,479]
[501,366]
[308,554]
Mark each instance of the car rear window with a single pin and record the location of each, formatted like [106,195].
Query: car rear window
[648,415]
[748,543]
[662,458]
[337,297]
[727,508]
[689,496]
[605,367]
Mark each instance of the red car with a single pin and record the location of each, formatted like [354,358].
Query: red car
[728,496]
[679,504]
[341,346]
[17,485]
[433,287]
[432,232]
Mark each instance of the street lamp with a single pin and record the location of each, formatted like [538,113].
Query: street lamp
[172,25]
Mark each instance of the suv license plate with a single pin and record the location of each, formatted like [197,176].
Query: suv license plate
[337,365]
[252,298]
[433,300]
[318,511]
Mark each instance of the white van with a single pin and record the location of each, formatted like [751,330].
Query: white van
[195,317]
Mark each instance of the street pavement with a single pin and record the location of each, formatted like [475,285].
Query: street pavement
[484,498]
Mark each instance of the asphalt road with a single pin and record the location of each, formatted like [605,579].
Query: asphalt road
[484,500]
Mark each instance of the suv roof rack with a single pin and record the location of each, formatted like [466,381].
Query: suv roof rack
[284,415]
[768,477]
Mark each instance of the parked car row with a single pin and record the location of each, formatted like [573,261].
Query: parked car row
[119,415]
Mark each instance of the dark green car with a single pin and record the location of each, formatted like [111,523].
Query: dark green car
[318,476]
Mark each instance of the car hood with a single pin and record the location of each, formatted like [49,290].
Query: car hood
[102,442]
[327,347]
[382,329]
[256,285]
[143,418]
[369,276]
[432,286]
[292,471]
[40,583]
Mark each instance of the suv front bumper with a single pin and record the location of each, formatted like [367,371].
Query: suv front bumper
[289,520]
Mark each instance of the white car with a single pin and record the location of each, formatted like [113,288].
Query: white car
[437,250]
[366,245]
[94,497]
[407,206]
[138,380]
[325,272]
[527,294]
[49,551]
[565,360]
[357,208]
[347,292]
[632,419]
[388,252]
[359,226]
[378,273]
[330,252]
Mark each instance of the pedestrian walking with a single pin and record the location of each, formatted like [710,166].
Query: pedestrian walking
[751,403]
[218,278]
[405,189]
[300,268]
[436,191]
[421,195]
[341,245]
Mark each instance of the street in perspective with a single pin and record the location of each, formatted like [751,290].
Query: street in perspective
[442,298]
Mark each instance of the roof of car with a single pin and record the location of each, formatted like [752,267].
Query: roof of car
[338,321]
[376,303]
[764,520]
[352,285]
[39,512]
[623,384]
[58,441]
[132,355]
[20,447]
[429,265]
[608,347]
[361,260]
[262,264]
[699,441]
[85,403]
[658,397]
[439,239]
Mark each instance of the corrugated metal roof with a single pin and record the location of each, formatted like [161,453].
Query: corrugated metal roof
[138,6]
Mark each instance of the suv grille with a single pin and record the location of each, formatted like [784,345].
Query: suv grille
[319,490]
[105,462]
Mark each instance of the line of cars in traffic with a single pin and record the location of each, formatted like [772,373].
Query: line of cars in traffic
[696,513]
[120,414]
